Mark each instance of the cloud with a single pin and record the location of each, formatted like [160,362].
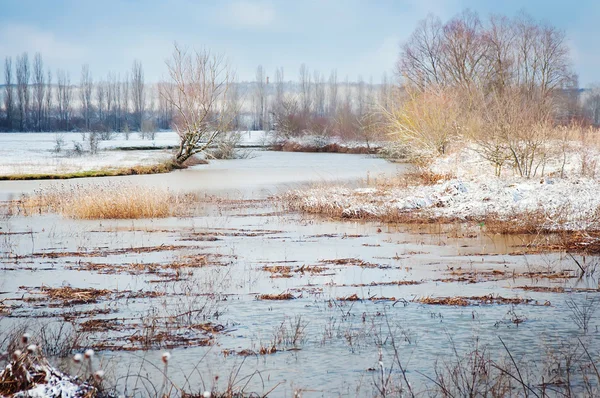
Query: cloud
[17,38]
[248,14]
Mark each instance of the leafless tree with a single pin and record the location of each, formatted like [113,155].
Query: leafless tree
[361,97]
[288,118]
[592,104]
[101,101]
[384,92]
[305,90]
[111,86]
[259,99]
[9,94]
[64,98]
[200,82]
[126,96]
[470,54]
[23,75]
[319,94]
[421,56]
[164,117]
[118,90]
[332,93]
[39,89]
[48,98]
[138,93]
[86,87]
[279,86]
[235,100]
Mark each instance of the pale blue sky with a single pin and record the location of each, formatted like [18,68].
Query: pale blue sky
[357,37]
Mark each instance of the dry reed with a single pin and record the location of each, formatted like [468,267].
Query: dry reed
[105,201]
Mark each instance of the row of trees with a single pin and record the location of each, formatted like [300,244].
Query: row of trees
[206,102]
[32,102]
[317,105]
[314,104]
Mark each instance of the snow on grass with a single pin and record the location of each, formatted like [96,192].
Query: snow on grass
[472,192]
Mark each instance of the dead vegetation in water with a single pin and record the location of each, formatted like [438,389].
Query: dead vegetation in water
[263,350]
[175,270]
[105,201]
[133,334]
[355,262]
[277,297]
[287,271]
[557,289]
[490,275]
[373,284]
[66,296]
[475,300]
[218,233]
[109,252]
[354,297]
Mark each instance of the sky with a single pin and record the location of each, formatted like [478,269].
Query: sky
[355,37]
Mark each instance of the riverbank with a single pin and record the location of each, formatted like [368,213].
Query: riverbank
[462,188]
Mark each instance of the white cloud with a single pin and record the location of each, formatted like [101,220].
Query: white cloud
[248,14]
[17,38]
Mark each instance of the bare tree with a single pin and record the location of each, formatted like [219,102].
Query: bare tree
[305,90]
[64,98]
[592,104]
[279,98]
[332,93]
[259,99]
[200,82]
[279,86]
[319,94]
[361,97]
[86,87]
[126,96]
[468,54]
[384,92]
[111,83]
[138,93]
[420,59]
[101,101]
[9,95]
[23,74]
[48,98]
[118,90]
[235,100]
[39,90]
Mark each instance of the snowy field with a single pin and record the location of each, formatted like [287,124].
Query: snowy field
[36,153]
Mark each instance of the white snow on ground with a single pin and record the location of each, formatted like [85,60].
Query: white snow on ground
[56,384]
[572,202]
[34,153]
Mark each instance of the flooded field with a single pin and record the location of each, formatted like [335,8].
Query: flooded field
[242,293]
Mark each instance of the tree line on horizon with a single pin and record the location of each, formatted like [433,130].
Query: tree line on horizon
[31,100]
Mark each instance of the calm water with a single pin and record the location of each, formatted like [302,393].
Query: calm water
[325,346]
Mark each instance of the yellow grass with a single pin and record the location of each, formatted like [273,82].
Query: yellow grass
[105,201]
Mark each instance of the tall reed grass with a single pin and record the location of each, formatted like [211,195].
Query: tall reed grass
[105,201]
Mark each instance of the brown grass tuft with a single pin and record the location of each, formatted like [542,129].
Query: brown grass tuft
[280,296]
[105,201]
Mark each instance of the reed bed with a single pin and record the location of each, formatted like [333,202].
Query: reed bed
[106,201]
